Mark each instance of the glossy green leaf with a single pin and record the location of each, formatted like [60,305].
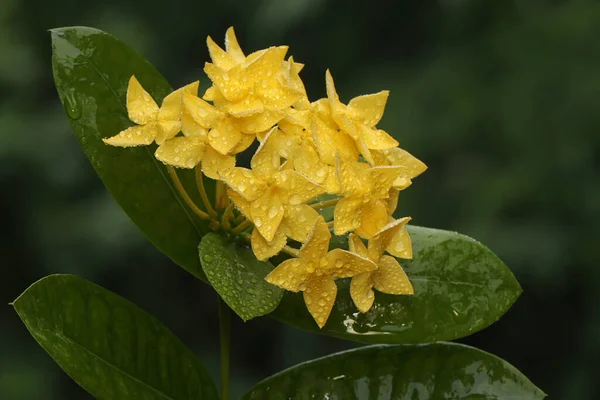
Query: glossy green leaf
[91,73]
[108,345]
[427,372]
[460,287]
[238,277]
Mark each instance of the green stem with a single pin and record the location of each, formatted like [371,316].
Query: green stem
[225,328]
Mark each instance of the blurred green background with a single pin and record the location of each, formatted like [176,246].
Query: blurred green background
[500,99]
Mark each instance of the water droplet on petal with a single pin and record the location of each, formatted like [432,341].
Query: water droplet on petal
[272,211]
[295,199]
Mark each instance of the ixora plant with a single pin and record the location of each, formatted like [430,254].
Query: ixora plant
[312,211]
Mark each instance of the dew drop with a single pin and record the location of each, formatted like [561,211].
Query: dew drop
[295,199]
[272,211]
[207,258]
[258,221]
[72,107]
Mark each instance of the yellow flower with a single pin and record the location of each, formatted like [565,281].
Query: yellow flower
[364,207]
[359,118]
[154,124]
[270,192]
[210,138]
[315,270]
[253,89]
[389,277]
[412,167]
[293,143]
[231,56]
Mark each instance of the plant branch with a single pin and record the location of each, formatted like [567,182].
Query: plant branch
[241,227]
[202,190]
[225,336]
[184,194]
[227,216]
[324,204]
[291,251]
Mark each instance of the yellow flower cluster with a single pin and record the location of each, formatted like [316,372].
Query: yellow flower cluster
[306,150]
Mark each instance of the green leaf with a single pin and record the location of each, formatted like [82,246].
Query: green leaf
[108,345]
[91,73]
[238,277]
[428,372]
[460,287]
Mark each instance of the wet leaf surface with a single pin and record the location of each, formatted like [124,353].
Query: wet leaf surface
[108,345]
[91,73]
[238,277]
[416,372]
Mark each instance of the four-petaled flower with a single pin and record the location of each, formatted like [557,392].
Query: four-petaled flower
[154,124]
[315,270]
[359,118]
[364,207]
[389,277]
[271,195]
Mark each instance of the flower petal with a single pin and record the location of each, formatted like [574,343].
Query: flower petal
[307,162]
[263,249]
[233,47]
[266,161]
[330,142]
[398,156]
[141,107]
[231,83]
[267,212]
[190,127]
[240,203]
[392,201]
[299,220]
[266,65]
[319,297]
[390,277]
[376,139]
[344,264]
[276,95]
[317,242]
[260,122]
[219,56]
[368,108]
[171,105]
[382,179]
[290,275]
[356,245]
[182,151]
[140,135]
[375,217]
[347,215]
[167,130]
[224,137]
[383,238]
[244,181]
[214,162]
[401,245]
[351,176]
[202,112]
[300,188]
[361,292]
[245,142]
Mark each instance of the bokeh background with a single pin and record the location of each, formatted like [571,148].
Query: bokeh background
[500,99]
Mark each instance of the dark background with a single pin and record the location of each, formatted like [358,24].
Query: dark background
[501,99]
